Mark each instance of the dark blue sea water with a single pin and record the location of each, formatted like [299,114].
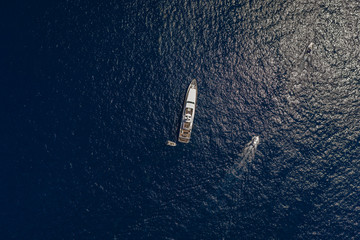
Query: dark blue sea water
[91,91]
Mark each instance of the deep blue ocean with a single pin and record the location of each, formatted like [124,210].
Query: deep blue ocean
[92,90]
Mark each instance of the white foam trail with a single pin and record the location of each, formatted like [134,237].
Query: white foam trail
[234,176]
[306,57]
[227,194]
[246,157]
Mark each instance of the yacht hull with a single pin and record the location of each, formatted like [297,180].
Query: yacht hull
[188,113]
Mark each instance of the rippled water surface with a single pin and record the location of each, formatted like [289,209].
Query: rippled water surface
[96,89]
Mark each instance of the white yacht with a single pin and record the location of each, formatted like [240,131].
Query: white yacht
[188,113]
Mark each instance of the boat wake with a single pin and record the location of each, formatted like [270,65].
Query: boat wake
[306,58]
[246,157]
[234,178]
[229,196]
